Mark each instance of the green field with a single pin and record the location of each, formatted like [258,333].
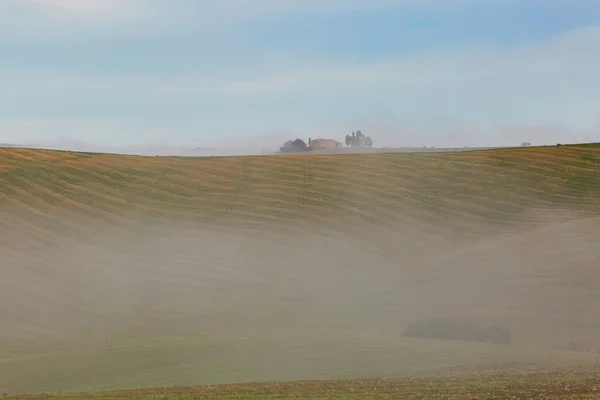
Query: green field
[128,272]
[561,384]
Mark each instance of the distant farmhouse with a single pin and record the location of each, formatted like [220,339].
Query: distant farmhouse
[298,145]
[357,139]
[318,144]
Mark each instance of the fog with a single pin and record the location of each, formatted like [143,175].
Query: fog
[113,283]
[387,135]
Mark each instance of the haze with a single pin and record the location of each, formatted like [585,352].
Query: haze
[243,77]
[121,271]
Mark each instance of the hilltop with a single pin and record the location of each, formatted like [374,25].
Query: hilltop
[127,271]
[502,185]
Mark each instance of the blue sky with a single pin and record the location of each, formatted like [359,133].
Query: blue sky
[253,73]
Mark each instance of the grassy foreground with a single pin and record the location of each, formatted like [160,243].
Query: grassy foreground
[524,384]
[187,361]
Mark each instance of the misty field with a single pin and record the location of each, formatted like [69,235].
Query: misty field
[123,272]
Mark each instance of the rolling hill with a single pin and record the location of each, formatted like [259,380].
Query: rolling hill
[123,271]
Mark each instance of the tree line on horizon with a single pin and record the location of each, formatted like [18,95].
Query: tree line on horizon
[358,139]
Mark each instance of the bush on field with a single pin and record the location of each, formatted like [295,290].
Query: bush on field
[455,329]
[575,345]
[499,334]
[441,328]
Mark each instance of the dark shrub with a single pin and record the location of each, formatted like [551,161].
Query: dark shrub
[575,345]
[456,329]
[294,146]
[300,144]
[499,334]
[444,328]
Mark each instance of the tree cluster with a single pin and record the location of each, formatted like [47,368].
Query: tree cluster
[294,146]
[576,345]
[358,139]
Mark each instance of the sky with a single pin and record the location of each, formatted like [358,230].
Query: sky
[255,73]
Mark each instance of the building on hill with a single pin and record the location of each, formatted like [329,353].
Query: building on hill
[317,144]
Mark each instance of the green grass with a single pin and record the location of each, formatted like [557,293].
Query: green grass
[205,360]
[564,384]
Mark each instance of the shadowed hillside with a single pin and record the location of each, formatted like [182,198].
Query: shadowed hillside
[210,270]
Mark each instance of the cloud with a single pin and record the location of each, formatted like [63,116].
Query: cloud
[542,92]
[68,8]
[76,6]
[227,10]
[566,63]
[36,21]
[144,17]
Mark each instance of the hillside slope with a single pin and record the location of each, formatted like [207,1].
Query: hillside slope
[159,256]
[454,190]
